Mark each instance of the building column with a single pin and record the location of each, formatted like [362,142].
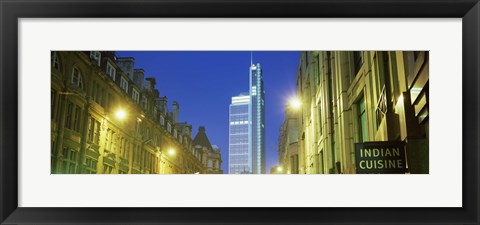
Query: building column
[83,140]
[61,125]
[59,142]
[130,155]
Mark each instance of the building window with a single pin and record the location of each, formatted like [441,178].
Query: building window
[156,140]
[321,161]
[294,164]
[316,68]
[94,131]
[77,80]
[155,165]
[137,154]
[101,98]
[110,102]
[162,120]
[121,146]
[111,71]
[362,118]
[357,61]
[76,119]
[94,91]
[96,138]
[91,127]
[109,140]
[95,55]
[135,96]
[72,120]
[91,165]
[134,153]
[379,71]
[147,132]
[55,60]
[124,84]
[107,169]
[69,160]
[320,121]
[137,126]
[97,94]
[144,103]
[125,149]
[169,128]
[68,119]
[147,161]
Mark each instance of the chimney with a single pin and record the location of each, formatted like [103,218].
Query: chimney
[162,104]
[150,84]
[175,108]
[189,131]
[138,76]
[126,64]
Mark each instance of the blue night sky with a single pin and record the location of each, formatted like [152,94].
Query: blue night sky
[203,83]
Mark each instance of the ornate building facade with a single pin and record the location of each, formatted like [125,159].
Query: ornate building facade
[288,143]
[210,155]
[104,120]
[351,98]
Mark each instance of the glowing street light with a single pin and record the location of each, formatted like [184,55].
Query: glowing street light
[120,114]
[171,151]
[295,103]
[279,169]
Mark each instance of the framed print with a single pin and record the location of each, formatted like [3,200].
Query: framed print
[310,112]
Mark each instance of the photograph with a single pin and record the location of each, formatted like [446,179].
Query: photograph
[239,112]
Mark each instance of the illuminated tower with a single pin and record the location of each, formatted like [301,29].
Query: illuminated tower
[247,127]
[239,156]
[257,120]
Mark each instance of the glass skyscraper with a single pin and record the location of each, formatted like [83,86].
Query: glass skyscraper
[238,150]
[247,127]
[257,119]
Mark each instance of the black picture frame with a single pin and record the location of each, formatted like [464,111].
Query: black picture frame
[12,10]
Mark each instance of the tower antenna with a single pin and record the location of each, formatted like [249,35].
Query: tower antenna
[251,58]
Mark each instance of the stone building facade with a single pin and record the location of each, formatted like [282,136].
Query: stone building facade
[106,120]
[288,143]
[357,97]
[209,154]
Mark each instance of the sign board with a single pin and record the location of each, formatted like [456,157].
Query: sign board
[380,157]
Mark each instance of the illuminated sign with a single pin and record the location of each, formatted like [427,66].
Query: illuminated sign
[380,157]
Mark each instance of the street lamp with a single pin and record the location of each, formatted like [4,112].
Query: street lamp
[295,103]
[120,114]
[279,169]
[160,152]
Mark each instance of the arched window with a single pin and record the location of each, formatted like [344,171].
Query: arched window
[77,80]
